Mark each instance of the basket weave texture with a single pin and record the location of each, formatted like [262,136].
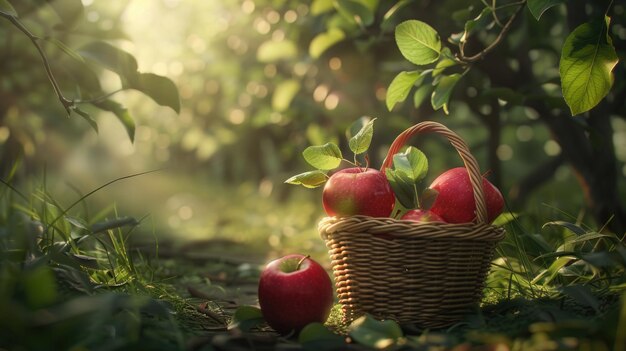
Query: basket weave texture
[426,274]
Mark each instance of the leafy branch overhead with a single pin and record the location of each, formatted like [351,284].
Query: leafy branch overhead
[85,62]
[588,58]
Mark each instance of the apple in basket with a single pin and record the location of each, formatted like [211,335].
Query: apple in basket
[422,216]
[455,201]
[358,191]
[294,291]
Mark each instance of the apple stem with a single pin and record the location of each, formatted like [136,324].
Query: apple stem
[302,260]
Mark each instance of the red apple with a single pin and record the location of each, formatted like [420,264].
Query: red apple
[424,216]
[455,201]
[294,291]
[358,191]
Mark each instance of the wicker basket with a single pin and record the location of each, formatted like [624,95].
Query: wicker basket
[426,274]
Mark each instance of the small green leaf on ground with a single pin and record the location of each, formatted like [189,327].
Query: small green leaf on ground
[373,333]
[587,61]
[311,179]
[7,9]
[360,134]
[316,336]
[441,96]
[418,42]
[399,88]
[246,317]
[324,157]
[324,41]
[538,7]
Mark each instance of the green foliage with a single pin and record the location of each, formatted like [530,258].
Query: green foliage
[587,61]
[538,7]
[246,317]
[418,42]
[373,333]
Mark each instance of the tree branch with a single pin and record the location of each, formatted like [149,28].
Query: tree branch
[67,104]
[505,29]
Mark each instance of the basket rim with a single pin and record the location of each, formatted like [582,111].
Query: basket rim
[329,226]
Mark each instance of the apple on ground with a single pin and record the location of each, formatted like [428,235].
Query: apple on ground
[423,216]
[358,191]
[455,200]
[294,291]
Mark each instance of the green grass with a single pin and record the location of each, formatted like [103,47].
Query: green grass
[75,278]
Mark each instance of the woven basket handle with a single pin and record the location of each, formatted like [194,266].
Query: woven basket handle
[461,147]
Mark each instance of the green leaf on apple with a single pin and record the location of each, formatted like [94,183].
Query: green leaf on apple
[246,317]
[360,134]
[402,187]
[413,163]
[373,333]
[316,336]
[428,197]
[311,179]
[324,157]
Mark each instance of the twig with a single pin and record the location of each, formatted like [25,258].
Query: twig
[67,104]
[496,42]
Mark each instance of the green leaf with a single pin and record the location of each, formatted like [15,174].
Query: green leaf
[418,42]
[284,94]
[246,318]
[443,91]
[7,9]
[360,141]
[356,11]
[421,94]
[321,6]
[113,224]
[413,163]
[399,88]
[272,51]
[372,333]
[427,198]
[40,286]
[324,157]
[73,54]
[324,41]
[387,22]
[583,295]
[403,188]
[69,11]
[587,59]
[315,336]
[567,225]
[538,7]
[482,21]
[444,63]
[121,113]
[87,118]
[112,58]
[553,270]
[504,218]
[311,179]
[160,89]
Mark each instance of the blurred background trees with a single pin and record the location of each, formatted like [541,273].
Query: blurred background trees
[259,81]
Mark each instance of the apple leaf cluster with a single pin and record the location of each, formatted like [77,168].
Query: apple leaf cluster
[587,60]
[329,156]
[409,169]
